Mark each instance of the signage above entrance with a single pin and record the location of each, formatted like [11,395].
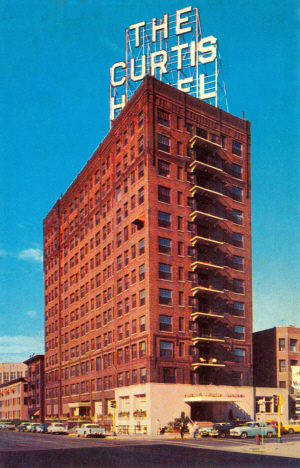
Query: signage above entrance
[173,50]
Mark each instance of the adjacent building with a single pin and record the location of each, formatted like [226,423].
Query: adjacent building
[12,371]
[14,400]
[147,262]
[36,400]
[275,351]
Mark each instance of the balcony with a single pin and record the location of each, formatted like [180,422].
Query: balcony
[210,190]
[206,315]
[206,164]
[205,264]
[202,239]
[204,338]
[206,140]
[207,214]
[206,287]
[212,362]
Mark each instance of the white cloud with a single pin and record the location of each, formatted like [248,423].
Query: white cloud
[21,347]
[31,313]
[32,255]
[3,253]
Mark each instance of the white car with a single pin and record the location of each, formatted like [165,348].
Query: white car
[250,429]
[8,425]
[90,430]
[57,428]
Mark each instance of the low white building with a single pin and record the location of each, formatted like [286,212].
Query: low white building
[145,408]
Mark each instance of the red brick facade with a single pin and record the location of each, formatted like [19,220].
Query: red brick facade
[35,379]
[148,255]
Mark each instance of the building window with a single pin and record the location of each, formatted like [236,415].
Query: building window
[165,323]
[119,216]
[239,309]
[142,323]
[143,375]
[142,297]
[237,217]
[142,349]
[164,168]
[237,194]
[239,332]
[236,171]
[163,143]
[141,196]
[237,379]
[180,298]
[236,148]
[293,362]
[141,246]
[282,384]
[166,349]
[180,248]
[293,346]
[164,220]
[163,118]
[238,240]
[240,355]
[180,223]
[164,194]
[169,375]
[164,245]
[140,144]
[142,272]
[281,365]
[141,170]
[238,263]
[180,198]
[164,271]
[238,286]
[281,344]
[165,296]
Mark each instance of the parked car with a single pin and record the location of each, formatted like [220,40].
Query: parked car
[32,427]
[222,430]
[204,431]
[293,427]
[252,428]
[23,426]
[274,424]
[90,430]
[42,427]
[57,428]
[8,425]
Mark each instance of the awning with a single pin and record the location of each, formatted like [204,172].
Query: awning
[213,397]
[79,404]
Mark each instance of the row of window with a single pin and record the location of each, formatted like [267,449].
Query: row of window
[98,385]
[292,342]
[164,170]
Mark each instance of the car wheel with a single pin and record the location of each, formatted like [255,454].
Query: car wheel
[86,435]
[291,431]
[77,435]
[269,434]
[244,435]
[223,434]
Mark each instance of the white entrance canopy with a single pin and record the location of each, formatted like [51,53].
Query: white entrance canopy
[214,397]
[79,404]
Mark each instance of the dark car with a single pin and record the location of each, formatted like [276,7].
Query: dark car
[222,430]
[42,428]
[23,426]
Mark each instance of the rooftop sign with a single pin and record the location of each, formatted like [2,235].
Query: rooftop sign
[173,50]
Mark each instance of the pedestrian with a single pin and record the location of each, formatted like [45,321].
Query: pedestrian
[181,430]
[158,427]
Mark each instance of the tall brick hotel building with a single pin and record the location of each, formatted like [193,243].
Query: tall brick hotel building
[148,295]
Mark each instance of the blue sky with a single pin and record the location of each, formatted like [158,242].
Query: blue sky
[55,60]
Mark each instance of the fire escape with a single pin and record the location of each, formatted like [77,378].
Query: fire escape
[211,280]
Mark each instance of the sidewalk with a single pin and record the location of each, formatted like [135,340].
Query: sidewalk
[289,449]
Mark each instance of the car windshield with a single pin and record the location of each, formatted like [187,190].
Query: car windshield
[59,425]
[249,424]
[93,425]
